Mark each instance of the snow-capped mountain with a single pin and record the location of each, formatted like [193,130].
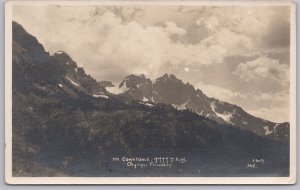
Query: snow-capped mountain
[170,90]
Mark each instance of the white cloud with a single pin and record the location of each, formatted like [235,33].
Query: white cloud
[211,23]
[232,43]
[264,69]
[96,41]
[186,69]
[172,28]
[220,93]
[279,114]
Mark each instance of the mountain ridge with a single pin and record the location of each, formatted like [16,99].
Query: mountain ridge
[170,90]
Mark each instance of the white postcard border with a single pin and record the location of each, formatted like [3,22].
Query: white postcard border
[146,180]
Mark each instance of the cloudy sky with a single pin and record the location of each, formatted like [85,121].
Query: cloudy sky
[236,54]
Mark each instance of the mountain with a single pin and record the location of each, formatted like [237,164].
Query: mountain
[170,90]
[47,73]
[64,123]
[76,75]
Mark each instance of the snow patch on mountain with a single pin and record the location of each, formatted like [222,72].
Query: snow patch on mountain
[181,106]
[59,52]
[74,83]
[100,96]
[201,112]
[226,116]
[276,126]
[146,104]
[117,90]
[268,132]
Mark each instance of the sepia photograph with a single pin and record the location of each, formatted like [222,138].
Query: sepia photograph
[140,92]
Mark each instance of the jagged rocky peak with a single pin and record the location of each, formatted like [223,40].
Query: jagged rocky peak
[165,89]
[172,89]
[80,71]
[167,77]
[27,41]
[135,81]
[199,92]
[64,59]
[171,79]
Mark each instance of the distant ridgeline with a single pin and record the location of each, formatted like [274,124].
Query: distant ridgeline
[65,123]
